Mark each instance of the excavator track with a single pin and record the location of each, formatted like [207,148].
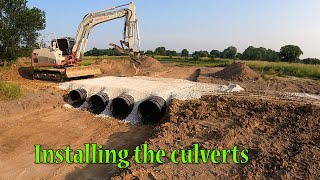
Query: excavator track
[65,73]
[49,74]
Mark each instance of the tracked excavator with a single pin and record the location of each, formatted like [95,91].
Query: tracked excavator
[61,59]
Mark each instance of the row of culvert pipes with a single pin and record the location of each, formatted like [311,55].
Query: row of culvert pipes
[150,110]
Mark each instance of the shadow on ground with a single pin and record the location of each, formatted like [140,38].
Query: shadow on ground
[135,136]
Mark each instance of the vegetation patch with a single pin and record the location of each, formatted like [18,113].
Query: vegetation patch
[264,67]
[288,69]
[204,62]
[9,91]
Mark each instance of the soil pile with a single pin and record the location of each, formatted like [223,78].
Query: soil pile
[150,67]
[116,67]
[237,71]
[282,139]
[126,68]
[150,63]
[20,69]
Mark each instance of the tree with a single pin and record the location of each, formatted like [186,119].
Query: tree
[252,53]
[198,54]
[160,51]
[311,61]
[272,56]
[103,52]
[290,53]
[215,54]
[171,53]
[238,56]
[149,53]
[95,52]
[230,52]
[18,28]
[185,53]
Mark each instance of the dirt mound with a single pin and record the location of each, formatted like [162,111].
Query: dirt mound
[116,67]
[20,69]
[125,67]
[237,71]
[282,139]
[150,63]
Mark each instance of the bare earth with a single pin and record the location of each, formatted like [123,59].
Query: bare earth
[282,134]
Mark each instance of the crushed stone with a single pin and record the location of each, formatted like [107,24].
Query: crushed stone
[142,87]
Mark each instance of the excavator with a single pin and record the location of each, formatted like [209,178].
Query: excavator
[61,59]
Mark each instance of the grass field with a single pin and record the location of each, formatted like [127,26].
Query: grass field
[286,69]
[263,67]
[9,91]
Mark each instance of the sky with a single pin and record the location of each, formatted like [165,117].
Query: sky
[196,25]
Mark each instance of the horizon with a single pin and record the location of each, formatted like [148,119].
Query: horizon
[205,25]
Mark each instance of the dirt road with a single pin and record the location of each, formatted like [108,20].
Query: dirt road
[41,118]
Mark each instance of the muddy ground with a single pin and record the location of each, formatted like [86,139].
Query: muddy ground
[282,135]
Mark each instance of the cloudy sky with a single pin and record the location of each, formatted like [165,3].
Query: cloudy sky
[197,25]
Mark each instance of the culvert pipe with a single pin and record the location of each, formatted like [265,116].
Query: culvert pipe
[122,106]
[152,110]
[77,97]
[98,103]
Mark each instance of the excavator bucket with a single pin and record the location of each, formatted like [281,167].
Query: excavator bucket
[81,71]
[127,52]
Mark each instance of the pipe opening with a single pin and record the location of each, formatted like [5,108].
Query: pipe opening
[77,97]
[98,103]
[152,110]
[122,106]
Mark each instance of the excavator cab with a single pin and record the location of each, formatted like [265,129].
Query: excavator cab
[64,44]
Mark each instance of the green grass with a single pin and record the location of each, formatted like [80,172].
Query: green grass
[205,62]
[263,67]
[9,91]
[285,69]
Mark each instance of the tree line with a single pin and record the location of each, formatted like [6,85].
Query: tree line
[288,53]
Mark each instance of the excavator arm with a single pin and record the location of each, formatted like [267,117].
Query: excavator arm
[131,40]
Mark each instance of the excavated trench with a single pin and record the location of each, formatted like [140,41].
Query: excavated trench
[135,99]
